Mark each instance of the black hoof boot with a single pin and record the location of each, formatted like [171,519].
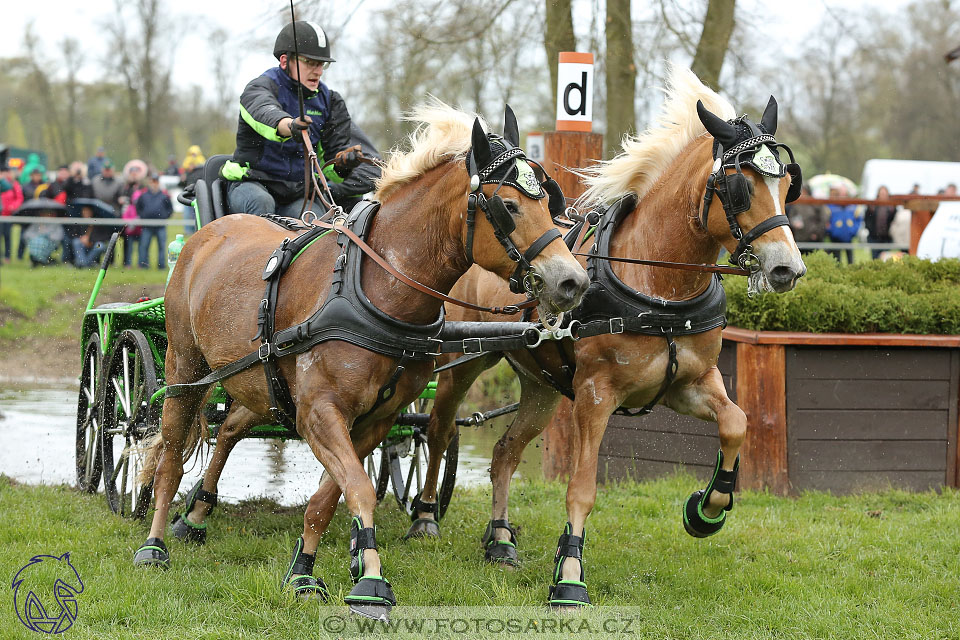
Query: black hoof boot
[153,553]
[568,593]
[304,585]
[695,522]
[423,527]
[500,551]
[371,596]
[185,530]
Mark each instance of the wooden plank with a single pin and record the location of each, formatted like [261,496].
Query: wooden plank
[750,336]
[566,150]
[869,394]
[869,455]
[761,385]
[855,481]
[866,424]
[953,468]
[624,468]
[873,363]
[662,447]
[663,420]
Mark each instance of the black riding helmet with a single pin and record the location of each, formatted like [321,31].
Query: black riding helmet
[311,43]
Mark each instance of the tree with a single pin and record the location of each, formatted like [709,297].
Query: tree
[621,74]
[718,24]
[558,36]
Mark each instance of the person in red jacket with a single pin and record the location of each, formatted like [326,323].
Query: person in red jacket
[11,197]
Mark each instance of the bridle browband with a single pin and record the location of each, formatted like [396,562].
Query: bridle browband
[734,189]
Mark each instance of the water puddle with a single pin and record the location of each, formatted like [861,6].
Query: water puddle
[38,426]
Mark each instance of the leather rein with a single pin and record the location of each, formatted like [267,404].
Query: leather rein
[338,225]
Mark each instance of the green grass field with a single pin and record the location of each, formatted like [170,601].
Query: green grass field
[877,565]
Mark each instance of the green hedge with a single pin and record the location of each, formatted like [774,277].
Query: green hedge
[905,296]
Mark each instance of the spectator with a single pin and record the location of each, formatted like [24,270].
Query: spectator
[88,247]
[154,204]
[193,160]
[11,199]
[42,240]
[172,169]
[951,190]
[57,190]
[133,174]
[877,220]
[808,221]
[844,223]
[78,185]
[131,233]
[192,170]
[915,191]
[33,162]
[35,186]
[96,162]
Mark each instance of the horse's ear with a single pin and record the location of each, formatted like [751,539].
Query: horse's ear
[723,131]
[769,119]
[511,130]
[481,146]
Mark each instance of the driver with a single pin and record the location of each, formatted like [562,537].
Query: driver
[266,171]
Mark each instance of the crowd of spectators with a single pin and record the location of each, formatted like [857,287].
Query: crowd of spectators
[834,223]
[95,189]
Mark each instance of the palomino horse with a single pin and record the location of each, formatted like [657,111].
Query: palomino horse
[668,355]
[345,396]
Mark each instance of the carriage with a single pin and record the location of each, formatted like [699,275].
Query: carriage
[122,388]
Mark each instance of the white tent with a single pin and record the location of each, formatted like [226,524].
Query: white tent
[899,176]
[941,237]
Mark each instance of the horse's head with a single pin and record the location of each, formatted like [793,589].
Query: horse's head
[752,184]
[515,237]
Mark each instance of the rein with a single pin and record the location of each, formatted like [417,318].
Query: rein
[684,266]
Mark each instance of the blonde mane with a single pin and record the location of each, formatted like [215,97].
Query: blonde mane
[444,133]
[645,157]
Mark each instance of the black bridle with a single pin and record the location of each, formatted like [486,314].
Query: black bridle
[496,171]
[734,190]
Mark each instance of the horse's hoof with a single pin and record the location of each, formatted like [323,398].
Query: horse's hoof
[372,597]
[153,553]
[695,522]
[308,588]
[423,528]
[568,594]
[183,529]
[502,552]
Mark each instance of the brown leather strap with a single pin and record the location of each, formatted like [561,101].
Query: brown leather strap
[685,266]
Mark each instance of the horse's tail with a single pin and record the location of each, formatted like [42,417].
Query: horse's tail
[153,445]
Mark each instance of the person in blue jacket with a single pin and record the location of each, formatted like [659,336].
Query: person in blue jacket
[266,171]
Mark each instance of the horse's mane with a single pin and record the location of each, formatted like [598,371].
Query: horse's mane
[646,156]
[444,133]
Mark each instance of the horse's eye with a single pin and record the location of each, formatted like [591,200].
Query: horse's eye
[512,206]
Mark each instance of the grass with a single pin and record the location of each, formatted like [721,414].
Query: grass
[48,302]
[816,566]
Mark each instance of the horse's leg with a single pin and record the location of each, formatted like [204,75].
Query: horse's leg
[452,386]
[706,398]
[203,498]
[180,415]
[538,402]
[325,429]
[590,416]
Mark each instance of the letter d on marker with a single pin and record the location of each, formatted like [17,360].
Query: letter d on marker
[575,91]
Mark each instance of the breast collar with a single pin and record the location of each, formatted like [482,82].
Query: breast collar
[349,315]
[608,297]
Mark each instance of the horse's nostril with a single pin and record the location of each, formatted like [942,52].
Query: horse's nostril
[782,275]
[573,287]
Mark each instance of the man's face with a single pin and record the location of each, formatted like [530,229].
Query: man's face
[107,172]
[36,177]
[308,72]
[62,174]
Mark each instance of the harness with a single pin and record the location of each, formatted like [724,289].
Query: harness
[758,150]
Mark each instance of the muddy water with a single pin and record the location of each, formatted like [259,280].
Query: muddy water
[38,424]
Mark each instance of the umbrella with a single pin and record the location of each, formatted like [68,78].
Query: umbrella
[41,206]
[820,185]
[100,208]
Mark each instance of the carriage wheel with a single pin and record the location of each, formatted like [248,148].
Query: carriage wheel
[89,462]
[406,465]
[130,383]
[375,469]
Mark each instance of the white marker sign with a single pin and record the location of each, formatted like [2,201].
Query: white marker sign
[575,92]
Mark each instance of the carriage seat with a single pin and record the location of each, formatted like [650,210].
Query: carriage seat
[218,186]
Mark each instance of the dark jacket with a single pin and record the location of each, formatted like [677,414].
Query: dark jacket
[154,205]
[277,162]
[808,222]
[78,187]
[877,220]
[108,190]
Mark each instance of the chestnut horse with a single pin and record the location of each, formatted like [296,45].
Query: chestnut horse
[665,172]
[421,230]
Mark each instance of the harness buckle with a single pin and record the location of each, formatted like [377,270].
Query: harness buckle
[616,325]
[264,351]
[472,345]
